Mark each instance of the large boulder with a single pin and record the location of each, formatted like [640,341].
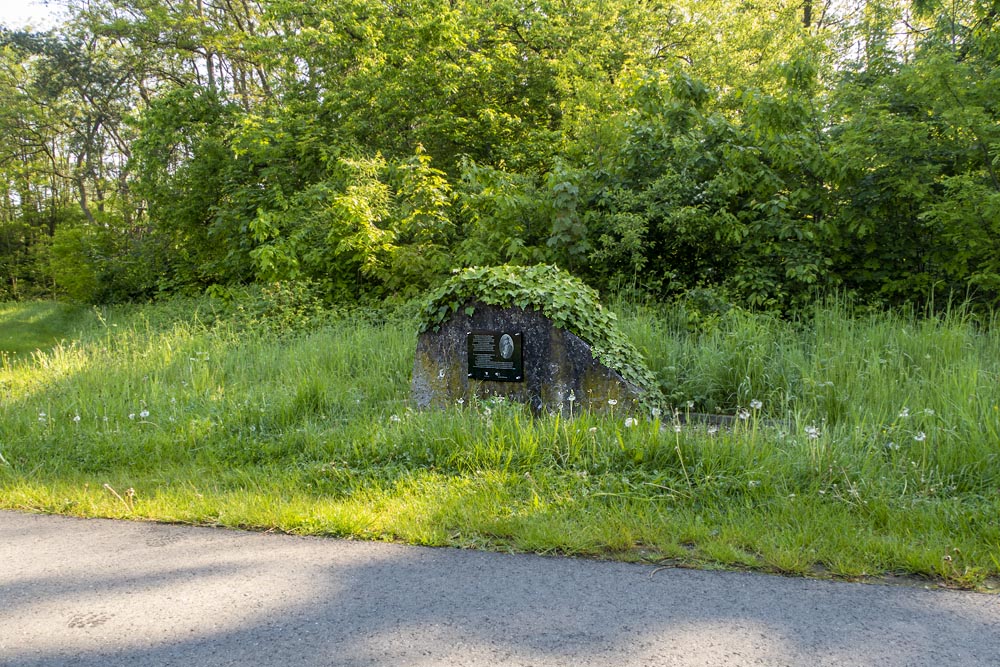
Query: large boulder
[535,335]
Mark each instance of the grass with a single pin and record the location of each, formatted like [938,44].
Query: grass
[38,325]
[876,448]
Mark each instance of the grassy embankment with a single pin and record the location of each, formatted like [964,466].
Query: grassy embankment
[889,463]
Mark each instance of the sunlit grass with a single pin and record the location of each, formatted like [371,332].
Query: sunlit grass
[38,325]
[871,443]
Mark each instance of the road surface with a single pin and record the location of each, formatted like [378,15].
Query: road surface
[76,592]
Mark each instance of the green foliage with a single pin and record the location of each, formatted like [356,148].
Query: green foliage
[568,302]
[764,150]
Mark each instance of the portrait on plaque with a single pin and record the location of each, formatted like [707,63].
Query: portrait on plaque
[506,346]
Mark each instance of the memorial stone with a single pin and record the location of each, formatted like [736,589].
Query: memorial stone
[474,349]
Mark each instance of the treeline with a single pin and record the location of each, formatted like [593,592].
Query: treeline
[765,151]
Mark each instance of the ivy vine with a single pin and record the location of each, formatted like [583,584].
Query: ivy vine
[568,302]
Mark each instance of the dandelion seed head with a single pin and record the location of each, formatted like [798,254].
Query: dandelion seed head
[76,418]
[655,412]
[756,404]
[744,414]
[920,436]
[571,397]
[144,414]
[131,415]
[689,405]
[904,413]
[677,428]
[593,429]
[395,418]
[713,429]
[629,422]
[612,402]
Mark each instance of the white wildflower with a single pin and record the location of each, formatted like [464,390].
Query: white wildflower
[812,432]
[143,414]
[612,402]
[76,418]
[756,405]
[920,436]
[630,422]
[904,413]
[744,414]
[131,415]
[572,396]
[395,418]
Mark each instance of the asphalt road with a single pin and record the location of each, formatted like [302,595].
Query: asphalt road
[94,592]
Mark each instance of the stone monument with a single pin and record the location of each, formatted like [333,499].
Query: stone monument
[534,335]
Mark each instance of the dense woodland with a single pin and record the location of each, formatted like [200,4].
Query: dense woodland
[756,151]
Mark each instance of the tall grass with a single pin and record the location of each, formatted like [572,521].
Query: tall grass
[875,445]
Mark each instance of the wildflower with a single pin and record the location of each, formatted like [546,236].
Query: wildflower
[395,418]
[713,429]
[920,436]
[441,374]
[461,401]
[487,411]
[891,446]
[131,415]
[756,405]
[690,405]
[572,396]
[76,418]
[753,484]
[812,432]
[677,428]
[655,412]
[904,413]
[744,414]
[629,422]
[929,412]
[144,414]
[593,429]
[612,402]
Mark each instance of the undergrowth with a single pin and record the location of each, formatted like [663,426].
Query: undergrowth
[859,444]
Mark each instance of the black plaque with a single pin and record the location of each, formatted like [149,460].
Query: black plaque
[495,356]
